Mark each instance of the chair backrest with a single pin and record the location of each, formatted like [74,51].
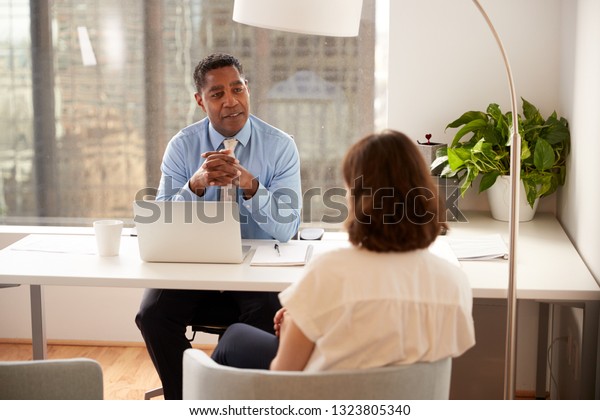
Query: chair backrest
[61,379]
[204,379]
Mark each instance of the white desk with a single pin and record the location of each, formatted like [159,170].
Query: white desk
[128,270]
[549,270]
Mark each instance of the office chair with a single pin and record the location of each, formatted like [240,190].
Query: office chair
[59,379]
[217,330]
[204,379]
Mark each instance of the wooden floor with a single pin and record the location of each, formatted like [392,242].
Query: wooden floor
[128,371]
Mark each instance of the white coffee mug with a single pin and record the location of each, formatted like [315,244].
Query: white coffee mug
[108,236]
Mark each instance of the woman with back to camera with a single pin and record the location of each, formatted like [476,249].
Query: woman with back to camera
[386,300]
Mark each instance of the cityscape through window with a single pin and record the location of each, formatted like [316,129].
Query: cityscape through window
[94,90]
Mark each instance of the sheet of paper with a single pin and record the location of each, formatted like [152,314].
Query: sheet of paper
[479,247]
[267,255]
[67,244]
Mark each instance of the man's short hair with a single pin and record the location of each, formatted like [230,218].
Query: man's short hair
[212,62]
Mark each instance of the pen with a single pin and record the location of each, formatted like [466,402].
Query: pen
[277,249]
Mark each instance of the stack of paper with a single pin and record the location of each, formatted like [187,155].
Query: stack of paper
[285,254]
[480,247]
[66,244]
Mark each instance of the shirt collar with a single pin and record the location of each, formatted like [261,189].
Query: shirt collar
[243,136]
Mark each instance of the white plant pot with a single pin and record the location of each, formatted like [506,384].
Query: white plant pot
[499,199]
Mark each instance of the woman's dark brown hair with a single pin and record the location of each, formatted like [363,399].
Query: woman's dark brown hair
[393,201]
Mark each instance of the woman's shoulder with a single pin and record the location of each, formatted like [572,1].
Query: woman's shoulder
[443,276]
[441,264]
[350,259]
[335,257]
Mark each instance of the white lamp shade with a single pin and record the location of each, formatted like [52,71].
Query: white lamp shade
[316,17]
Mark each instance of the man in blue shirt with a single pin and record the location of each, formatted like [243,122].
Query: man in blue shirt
[266,169]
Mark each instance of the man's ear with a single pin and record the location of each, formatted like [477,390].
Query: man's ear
[247,86]
[199,101]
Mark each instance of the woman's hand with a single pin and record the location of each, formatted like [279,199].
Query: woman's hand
[294,347]
[278,321]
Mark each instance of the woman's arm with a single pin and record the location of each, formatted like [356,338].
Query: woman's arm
[294,347]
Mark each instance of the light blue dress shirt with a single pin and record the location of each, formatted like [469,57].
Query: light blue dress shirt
[265,151]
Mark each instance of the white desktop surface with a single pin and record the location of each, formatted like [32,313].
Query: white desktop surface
[548,266]
[128,270]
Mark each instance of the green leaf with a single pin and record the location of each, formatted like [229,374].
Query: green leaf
[472,173]
[466,118]
[543,155]
[494,111]
[557,133]
[561,175]
[472,126]
[440,162]
[447,172]
[532,113]
[457,157]
[525,151]
[488,180]
[493,135]
[554,183]
[530,191]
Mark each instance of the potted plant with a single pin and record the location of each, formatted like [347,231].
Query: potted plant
[545,144]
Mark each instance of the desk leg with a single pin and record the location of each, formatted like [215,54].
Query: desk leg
[542,356]
[38,323]
[598,361]
[589,351]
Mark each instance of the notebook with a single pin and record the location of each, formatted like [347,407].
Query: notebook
[281,255]
[479,247]
[189,231]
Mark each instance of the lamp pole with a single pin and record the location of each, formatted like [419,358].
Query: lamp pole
[513,224]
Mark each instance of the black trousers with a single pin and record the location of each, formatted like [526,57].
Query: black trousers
[165,314]
[245,346]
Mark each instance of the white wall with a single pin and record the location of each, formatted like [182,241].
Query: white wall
[444,61]
[579,200]
[73,313]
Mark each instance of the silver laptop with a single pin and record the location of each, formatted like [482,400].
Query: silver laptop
[189,231]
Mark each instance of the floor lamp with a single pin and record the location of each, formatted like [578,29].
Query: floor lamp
[342,18]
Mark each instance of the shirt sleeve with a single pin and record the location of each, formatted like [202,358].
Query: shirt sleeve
[276,207]
[174,180]
[313,300]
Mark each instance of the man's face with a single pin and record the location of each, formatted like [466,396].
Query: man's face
[226,100]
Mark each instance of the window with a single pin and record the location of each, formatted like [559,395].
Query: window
[81,137]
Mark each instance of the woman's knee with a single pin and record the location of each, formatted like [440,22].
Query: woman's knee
[235,334]
[245,346]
